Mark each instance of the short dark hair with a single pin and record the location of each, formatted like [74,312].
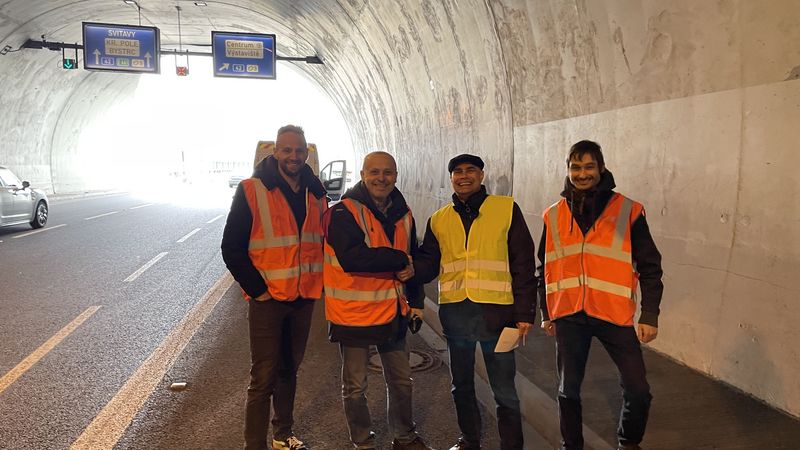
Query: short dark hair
[586,147]
[291,129]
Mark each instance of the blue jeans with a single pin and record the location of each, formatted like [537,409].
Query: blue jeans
[501,368]
[573,339]
[397,373]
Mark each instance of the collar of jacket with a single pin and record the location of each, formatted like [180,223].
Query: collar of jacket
[267,172]
[473,204]
[396,210]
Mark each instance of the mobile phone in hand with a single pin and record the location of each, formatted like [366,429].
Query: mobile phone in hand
[414,324]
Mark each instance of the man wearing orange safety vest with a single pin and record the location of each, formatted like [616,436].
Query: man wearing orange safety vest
[370,240]
[480,248]
[272,245]
[595,249]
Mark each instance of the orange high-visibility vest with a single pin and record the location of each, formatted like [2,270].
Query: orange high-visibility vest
[360,298]
[592,273]
[289,260]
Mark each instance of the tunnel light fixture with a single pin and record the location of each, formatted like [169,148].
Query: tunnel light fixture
[200,4]
[138,8]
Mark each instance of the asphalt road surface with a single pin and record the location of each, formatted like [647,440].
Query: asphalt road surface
[118,297]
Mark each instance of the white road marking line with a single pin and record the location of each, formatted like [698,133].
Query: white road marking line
[188,235]
[142,206]
[40,352]
[110,424]
[215,218]
[42,230]
[101,215]
[141,270]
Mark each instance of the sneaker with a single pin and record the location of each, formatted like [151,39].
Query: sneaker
[416,444]
[464,445]
[291,443]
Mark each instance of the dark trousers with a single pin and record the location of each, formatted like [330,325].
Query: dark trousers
[501,368]
[278,336]
[573,340]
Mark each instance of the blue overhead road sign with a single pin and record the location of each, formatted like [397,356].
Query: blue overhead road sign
[121,48]
[243,55]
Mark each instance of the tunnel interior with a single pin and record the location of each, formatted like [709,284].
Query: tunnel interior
[696,105]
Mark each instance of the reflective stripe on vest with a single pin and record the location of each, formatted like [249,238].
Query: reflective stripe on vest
[366,299]
[475,267]
[592,273]
[289,260]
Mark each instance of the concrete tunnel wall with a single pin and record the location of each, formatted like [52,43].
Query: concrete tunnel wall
[696,104]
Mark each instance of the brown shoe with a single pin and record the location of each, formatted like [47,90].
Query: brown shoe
[416,444]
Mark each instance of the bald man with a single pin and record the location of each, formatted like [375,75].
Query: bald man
[370,240]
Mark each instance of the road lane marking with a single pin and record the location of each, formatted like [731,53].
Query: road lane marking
[188,235]
[101,215]
[42,230]
[39,353]
[215,218]
[142,206]
[141,270]
[110,424]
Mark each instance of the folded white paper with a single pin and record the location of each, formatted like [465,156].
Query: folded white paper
[509,340]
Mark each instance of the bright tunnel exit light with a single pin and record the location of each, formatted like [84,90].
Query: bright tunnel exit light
[185,136]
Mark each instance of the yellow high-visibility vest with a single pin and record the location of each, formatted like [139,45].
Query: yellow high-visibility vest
[478,271]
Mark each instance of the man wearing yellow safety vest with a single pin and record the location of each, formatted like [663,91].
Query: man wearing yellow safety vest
[370,239]
[480,248]
[272,245]
[595,248]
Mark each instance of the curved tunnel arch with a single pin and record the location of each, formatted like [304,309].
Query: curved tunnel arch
[694,103]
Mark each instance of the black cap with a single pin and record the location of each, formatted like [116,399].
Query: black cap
[464,158]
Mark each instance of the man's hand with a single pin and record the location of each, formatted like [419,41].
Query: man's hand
[524,328]
[415,312]
[646,333]
[407,273]
[549,327]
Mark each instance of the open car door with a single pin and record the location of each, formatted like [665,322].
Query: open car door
[334,178]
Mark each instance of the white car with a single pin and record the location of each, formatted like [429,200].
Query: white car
[19,203]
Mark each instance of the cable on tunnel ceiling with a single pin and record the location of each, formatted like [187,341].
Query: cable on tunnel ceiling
[181,71]
[138,8]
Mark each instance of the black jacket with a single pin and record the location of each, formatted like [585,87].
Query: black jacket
[236,236]
[347,241]
[586,207]
[468,319]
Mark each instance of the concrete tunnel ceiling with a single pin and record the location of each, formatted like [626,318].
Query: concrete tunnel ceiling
[687,97]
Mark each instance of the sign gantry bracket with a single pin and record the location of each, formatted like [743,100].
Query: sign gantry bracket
[58,46]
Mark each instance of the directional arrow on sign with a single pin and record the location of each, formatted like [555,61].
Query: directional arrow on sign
[96,56]
[147,57]
[224,67]
[67,64]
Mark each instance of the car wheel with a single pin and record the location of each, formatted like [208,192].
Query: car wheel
[40,216]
